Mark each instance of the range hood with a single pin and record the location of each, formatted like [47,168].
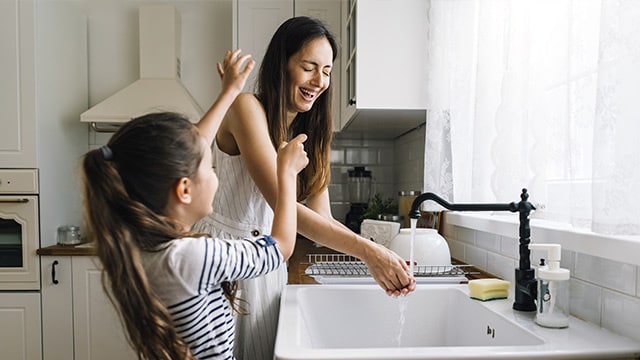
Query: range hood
[159,87]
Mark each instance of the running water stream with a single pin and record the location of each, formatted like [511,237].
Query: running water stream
[403,300]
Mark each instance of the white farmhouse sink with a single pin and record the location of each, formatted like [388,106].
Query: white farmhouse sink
[435,322]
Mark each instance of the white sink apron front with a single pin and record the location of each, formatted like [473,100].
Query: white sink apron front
[436,321]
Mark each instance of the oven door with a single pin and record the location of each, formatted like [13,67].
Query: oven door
[19,239]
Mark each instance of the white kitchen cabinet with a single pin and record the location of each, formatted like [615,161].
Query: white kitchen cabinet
[57,307]
[20,326]
[17,88]
[255,22]
[383,56]
[78,319]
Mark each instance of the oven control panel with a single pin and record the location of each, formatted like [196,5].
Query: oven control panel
[18,181]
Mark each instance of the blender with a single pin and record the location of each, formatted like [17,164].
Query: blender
[359,189]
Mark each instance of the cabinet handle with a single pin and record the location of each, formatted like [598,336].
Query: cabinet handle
[53,272]
[13,200]
[352,101]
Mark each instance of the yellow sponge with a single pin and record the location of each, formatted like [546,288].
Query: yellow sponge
[488,289]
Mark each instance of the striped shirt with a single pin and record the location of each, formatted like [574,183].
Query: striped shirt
[239,212]
[187,277]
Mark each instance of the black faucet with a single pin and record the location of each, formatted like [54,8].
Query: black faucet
[525,289]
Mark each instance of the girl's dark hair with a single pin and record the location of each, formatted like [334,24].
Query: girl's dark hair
[126,185]
[272,90]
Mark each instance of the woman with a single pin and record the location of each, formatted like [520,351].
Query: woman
[293,96]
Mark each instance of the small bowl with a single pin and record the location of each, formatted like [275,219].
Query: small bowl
[429,247]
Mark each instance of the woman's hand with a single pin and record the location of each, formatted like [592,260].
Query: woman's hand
[389,270]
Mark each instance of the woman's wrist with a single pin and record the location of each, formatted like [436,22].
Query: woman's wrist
[364,248]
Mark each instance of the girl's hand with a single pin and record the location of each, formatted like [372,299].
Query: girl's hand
[389,270]
[234,71]
[291,155]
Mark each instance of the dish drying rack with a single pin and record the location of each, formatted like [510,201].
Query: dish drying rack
[340,268]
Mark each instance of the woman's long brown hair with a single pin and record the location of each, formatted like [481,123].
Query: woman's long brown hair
[272,91]
[125,188]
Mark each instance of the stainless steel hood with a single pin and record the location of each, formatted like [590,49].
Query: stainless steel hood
[159,87]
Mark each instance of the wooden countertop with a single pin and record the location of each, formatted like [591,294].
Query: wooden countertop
[65,250]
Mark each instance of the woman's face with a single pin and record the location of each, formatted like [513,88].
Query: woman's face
[309,74]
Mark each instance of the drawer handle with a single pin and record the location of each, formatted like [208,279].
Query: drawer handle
[53,272]
[14,200]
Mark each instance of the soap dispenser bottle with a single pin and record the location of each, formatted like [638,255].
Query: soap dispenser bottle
[553,289]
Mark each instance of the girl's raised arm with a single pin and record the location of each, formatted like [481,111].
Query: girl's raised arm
[233,71]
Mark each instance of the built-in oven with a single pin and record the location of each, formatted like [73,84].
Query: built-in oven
[19,230]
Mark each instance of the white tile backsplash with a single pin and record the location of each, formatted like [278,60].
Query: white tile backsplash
[466,235]
[621,313]
[509,247]
[586,301]
[606,273]
[476,256]
[457,249]
[336,157]
[603,292]
[638,281]
[488,241]
[502,266]
[394,164]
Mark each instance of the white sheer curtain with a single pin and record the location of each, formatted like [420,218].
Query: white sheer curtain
[537,94]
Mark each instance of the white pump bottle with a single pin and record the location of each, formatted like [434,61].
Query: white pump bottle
[553,289]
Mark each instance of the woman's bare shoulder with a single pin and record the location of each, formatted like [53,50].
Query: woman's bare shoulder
[246,108]
[245,119]
[247,99]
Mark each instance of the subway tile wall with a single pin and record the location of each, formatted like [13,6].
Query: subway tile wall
[394,164]
[602,291]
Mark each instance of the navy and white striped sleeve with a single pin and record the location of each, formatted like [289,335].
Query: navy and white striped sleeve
[229,260]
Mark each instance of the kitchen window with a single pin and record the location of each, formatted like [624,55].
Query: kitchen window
[540,95]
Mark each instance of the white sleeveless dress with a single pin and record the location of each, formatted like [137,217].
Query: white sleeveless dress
[240,211]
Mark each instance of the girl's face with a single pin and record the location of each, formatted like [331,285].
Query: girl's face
[205,184]
[309,74]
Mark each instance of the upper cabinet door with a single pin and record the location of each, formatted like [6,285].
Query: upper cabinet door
[17,88]
[389,50]
[383,66]
[255,22]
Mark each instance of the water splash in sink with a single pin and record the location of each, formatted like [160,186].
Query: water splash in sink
[403,302]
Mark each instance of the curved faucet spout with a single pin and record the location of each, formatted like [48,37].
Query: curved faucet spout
[525,291]
[415,207]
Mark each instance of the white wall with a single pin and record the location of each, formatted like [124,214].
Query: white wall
[113,48]
[61,92]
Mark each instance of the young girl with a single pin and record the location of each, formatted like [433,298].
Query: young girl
[143,191]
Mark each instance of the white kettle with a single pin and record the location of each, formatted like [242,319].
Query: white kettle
[429,247]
